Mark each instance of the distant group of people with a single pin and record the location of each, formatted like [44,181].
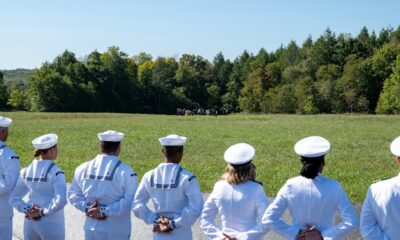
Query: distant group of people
[106,190]
[202,111]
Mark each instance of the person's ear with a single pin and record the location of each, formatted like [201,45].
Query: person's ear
[398,160]
[163,151]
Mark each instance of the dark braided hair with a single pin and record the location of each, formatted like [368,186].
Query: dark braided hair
[311,166]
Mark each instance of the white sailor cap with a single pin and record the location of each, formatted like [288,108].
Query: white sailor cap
[395,147]
[110,136]
[312,147]
[172,140]
[45,142]
[240,153]
[5,122]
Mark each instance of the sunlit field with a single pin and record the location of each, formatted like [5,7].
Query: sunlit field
[360,151]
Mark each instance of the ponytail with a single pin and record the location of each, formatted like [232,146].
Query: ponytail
[39,152]
[311,166]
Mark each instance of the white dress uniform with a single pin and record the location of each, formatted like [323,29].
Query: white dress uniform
[9,170]
[113,184]
[175,194]
[44,185]
[380,213]
[241,207]
[229,199]
[312,202]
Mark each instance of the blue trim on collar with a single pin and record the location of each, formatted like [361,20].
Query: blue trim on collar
[107,178]
[43,179]
[173,185]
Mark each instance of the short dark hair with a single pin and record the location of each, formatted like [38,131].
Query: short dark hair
[311,166]
[109,147]
[172,151]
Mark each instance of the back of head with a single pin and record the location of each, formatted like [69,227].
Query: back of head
[3,133]
[312,151]
[44,144]
[109,147]
[236,174]
[311,166]
[172,147]
[4,124]
[173,154]
[110,141]
[240,169]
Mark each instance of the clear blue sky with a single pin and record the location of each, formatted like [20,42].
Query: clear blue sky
[32,32]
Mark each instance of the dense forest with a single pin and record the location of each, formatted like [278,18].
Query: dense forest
[331,74]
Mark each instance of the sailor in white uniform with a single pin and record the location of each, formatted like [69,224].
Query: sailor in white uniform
[175,194]
[44,184]
[312,199]
[9,170]
[380,213]
[103,189]
[238,198]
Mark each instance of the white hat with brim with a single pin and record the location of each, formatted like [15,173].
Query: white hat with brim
[239,154]
[312,147]
[110,136]
[45,142]
[172,140]
[395,147]
[5,122]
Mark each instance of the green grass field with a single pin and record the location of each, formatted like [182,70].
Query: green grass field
[360,151]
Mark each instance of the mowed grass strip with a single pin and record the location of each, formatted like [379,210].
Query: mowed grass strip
[360,151]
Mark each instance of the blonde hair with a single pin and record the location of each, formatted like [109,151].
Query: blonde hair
[239,173]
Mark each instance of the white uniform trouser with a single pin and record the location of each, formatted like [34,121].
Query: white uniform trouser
[47,228]
[95,235]
[5,228]
[180,233]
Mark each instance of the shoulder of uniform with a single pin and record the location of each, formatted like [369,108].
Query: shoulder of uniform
[56,170]
[186,172]
[329,180]
[22,171]
[60,172]
[257,182]
[81,167]
[382,181]
[147,174]
[10,153]
[126,169]
[190,176]
[133,174]
[293,180]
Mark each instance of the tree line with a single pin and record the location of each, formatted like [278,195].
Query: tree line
[332,74]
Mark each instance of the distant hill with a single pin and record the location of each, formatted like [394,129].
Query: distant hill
[17,77]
